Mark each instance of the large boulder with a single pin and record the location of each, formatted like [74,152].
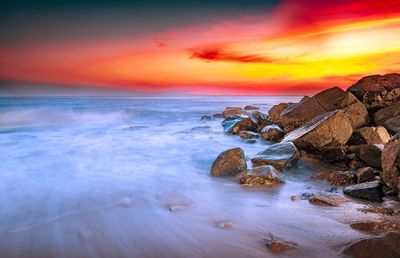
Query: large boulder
[325,131]
[369,135]
[377,91]
[279,155]
[328,100]
[237,123]
[391,164]
[229,162]
[272,133]
[371,191]
[386,246]
[263,175]
[389,117]
[230,111]
[248,135]
[275,112]
[370,154]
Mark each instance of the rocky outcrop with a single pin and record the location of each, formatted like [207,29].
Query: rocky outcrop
[279,155]
[248,135]
[391,164]
[371,191]
[258,176]
[325,131]
[237,123]
[230,111]
[389,117]
[370,154]
[272,133]
[369,135]
[386,246]
[377,91]
[229,162]
[298,114]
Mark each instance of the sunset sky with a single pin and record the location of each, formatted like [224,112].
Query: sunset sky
[207,47]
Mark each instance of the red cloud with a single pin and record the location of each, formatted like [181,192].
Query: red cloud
[216,54]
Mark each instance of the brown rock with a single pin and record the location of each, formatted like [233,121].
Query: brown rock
[386,246]
[272,133]
[371,191]
[328,130]
[248,135]
[275,111]
[263,175]
[365,174]
[229,162]
[389,117]
[327,199]
[230,111]
[276,245]
[369,135]
[237,123]
[370,154]
[251,107]
[377,91]
[337,178]
[391,164]
[279,155]
[372,226]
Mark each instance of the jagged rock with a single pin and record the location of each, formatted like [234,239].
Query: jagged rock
[327,199]
[229,162]
[272,133]
[372,226]
[260,118]
[370,154]
[389,117]
[337,178]
[386,246]
[328,130]
[369,135]
[237,123]
[279,155]
[248,135]
[365,174]
[328,100]
[230,111]
[377,91]
[251,107]
[371,191]
[275,112]
[391,164]
[263,175]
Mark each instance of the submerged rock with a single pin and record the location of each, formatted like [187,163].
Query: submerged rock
[231,111]
[272,133]
[329,130]
[251,107]
[377,91]
[276,245]
[369,135]
[263,175]
[386,246]
[389,117]
[371,191]
[206,118]
[279,155]
[391,164]
[327,199]
[337,178]
[229,162]
[248,135]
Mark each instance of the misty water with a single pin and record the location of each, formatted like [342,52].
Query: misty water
[129,177]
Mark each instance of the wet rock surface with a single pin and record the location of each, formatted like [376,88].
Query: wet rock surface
[327,199]
[272,133]
[373,226]
[258,176]
[231,111]
[248,135]
[279,155]
[229,162]
[371,191]
[276,245]
[337,178]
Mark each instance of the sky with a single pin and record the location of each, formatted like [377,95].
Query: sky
[205,47]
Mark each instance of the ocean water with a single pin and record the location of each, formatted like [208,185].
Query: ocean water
[129,177]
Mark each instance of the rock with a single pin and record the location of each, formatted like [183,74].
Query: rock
[382,210]
[275,112]
[371,191]
[248,135]
[327,199]
[328,130]
[251,107]
[276,245]
[206,118]
[386,246]
[369,135]
[279,155]
[229,162]
[365,174]
[251,141]
[370,154]
[389,117]
[225,225]
[272,133]
[337,178]
[217,116]
[390,160]
[230,111]
[293,197]
[236,123]
[328,100]
[377,91]
[263,175]
[372,226]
